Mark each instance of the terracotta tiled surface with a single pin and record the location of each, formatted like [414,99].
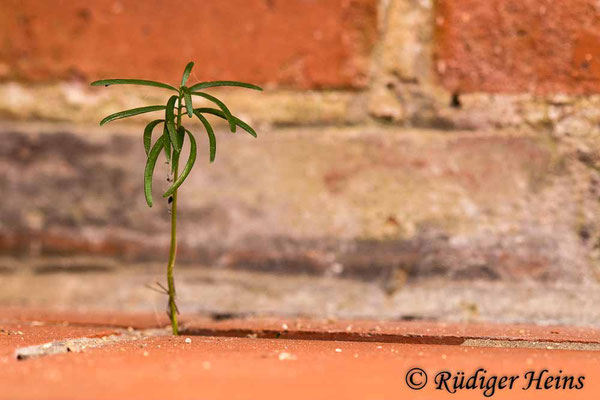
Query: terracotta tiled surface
[218,367]
[385,331]
[15,334]
[255,368]
[75,318]
[313,328]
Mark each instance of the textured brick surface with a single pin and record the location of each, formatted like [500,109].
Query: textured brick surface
[541,46]
[248,366]
[364,202]
[299,43]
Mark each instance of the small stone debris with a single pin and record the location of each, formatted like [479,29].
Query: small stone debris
[4,332]
[284,327]
[146,354]
[286,356]
[338,350]
[188,340]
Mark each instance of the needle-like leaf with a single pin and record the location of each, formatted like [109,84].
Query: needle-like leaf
[222,106]
[170,121]
[204,85]
[142,82]
[186,73]
[149,170]
[130,113]
[220,114]
[188,101]
[148,134]
[167,145]
[180,137]
[211,135]
[188,166]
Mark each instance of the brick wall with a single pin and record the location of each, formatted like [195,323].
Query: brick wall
[449,137]
[502,46]
[406,61]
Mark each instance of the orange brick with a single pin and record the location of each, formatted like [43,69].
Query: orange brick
[288,43]
[539,46]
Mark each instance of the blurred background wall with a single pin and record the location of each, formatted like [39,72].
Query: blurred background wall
[415,158]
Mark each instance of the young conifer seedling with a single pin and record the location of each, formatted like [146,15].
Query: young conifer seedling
[171,142]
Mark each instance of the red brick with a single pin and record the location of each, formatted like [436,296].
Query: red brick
[296,43]
[159,367]
[539,46]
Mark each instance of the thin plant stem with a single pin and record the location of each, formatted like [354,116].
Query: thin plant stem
[171,265]
[173,249]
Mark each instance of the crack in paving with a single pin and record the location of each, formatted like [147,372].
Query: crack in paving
[525,344]
[79,345]
[445,340]
[325,336]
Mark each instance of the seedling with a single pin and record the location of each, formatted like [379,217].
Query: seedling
[171,142]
